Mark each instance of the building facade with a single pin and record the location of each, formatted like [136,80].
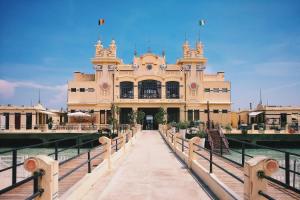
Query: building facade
[27,118]
[182,89]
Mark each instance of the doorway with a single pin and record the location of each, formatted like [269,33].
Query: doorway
[149,120]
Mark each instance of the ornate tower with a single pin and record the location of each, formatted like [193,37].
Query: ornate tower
[105,63]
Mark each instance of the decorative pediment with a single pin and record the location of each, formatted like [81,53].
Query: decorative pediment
[109,52]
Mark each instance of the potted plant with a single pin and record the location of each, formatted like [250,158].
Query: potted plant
[182,126]
[159,117]
[173,126]
[202,135]
[132,118]
[140,115]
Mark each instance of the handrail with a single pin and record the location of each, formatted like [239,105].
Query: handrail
[14,165]
[265,195]
[45,143]
[213,163]
[82,164]
[264,147]
[34,177]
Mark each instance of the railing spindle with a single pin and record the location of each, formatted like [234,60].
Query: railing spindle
[89,162]
[14,166]
[78,146]
[221,147]
[210,160]
[56,150]
[243,154]
[287,168]
[35,183]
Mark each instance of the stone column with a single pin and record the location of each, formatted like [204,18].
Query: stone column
[254,169]
[11,121]
[33,120]
[106,142]
[192,148]
[135,91]
[49,180]
[23,121]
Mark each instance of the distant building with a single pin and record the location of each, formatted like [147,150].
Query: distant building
[20,118]
[271,117]
[182,89]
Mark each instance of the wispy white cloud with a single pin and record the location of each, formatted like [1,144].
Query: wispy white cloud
[279,69]
[8,88]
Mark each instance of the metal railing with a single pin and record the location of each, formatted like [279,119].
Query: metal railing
[182,143]
[286,168]
[287,162]
[211,162]
[37,191]
[14,154]
[88,162]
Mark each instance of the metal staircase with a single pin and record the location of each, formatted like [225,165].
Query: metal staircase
[217,141]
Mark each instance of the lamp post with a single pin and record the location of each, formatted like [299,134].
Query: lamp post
[208,116]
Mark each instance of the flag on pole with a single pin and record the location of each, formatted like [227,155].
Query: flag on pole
[202,22]
[100,22]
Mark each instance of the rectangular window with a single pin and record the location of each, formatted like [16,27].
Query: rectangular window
[17,120]
[72,111]
[190,115]
[108,116]
[216,90]
[91,90]
[224,90]
[102,116]
[6,120]
[28,120]
[196,115]
[205,111]
[224,111]
[73,89]
[206,89]
[82,90]
[216,111]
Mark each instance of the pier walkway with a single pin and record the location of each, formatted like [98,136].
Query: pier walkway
[149,171]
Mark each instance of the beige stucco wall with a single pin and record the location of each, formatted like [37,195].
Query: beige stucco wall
[110,71]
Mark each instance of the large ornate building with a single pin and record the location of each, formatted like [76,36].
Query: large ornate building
[182,89]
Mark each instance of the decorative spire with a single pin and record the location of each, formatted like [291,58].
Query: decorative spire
[135,51]
[260,99]
[163,53]
[39,101]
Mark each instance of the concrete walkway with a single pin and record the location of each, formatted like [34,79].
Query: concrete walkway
[149,171]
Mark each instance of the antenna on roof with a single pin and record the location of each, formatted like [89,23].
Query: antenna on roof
[135,51]
[39,97]
[260,99]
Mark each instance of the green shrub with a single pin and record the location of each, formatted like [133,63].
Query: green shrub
[201,134]
[182,125]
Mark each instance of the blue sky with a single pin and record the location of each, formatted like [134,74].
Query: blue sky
[256,43]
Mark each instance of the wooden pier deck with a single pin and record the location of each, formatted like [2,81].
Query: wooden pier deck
[25,190]
[274,190]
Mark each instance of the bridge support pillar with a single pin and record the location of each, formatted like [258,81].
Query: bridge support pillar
[48,182]
[107,147]
[254,182]
[192,148]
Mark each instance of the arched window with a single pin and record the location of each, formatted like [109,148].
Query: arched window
[172,90]
[149,89]
[126,90]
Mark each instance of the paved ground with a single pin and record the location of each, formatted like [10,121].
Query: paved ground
[150,171]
